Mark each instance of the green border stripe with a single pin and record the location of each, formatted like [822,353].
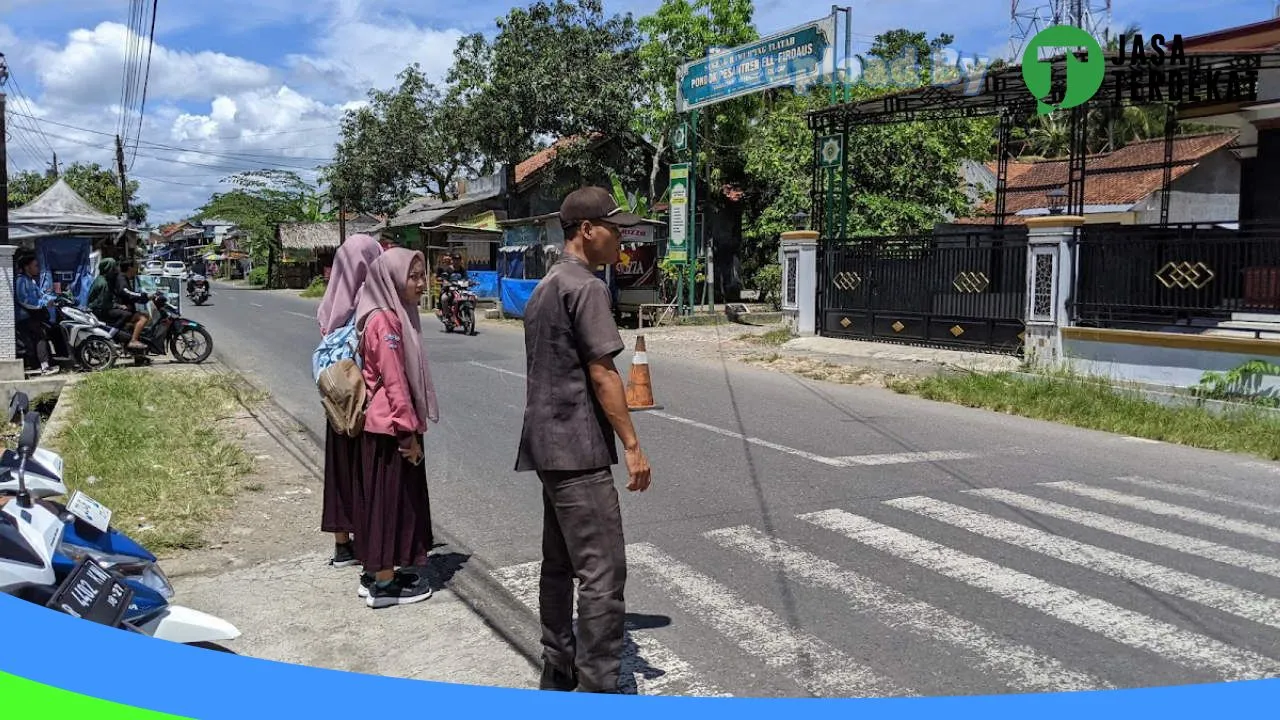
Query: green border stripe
[32,699]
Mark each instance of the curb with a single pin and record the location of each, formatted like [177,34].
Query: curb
[496,606]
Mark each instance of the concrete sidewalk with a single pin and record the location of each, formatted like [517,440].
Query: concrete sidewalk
[266,572]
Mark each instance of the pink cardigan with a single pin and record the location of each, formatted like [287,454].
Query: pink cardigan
[391,406]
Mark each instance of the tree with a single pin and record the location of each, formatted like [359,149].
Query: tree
[677,32]
[408,138]
[261,200]
[903,178]
[99,186]
[556,69]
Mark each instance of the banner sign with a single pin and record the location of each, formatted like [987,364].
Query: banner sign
[798,58]
[678,244]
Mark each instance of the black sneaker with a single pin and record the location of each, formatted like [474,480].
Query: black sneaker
[366,581]
[344,555]
[404,589]
[553,678]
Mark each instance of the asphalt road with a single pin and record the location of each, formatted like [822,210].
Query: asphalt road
[803,538]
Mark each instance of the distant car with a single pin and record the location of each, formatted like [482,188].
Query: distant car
[173,268]
[154,267]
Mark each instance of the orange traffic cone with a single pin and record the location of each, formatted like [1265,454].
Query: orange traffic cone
[639,388]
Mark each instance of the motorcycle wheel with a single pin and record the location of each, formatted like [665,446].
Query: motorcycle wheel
[468,321]
[97,354]
[189,336]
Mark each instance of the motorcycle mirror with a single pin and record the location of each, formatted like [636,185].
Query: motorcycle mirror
[30,438]
[18,405]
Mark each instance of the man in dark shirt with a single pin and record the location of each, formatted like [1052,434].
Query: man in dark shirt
[575,405]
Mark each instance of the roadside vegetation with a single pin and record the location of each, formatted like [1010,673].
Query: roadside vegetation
[1094,404]
[315,289]
[149,447]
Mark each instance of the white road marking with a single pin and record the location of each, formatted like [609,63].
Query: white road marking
[308,317]
[1210,593]
[1092,614]
[1200,493]
[1157,507]
[1187,544]
[1022,667]
[818,667]
[255,304]
[647,665]
[906,457]
[848,461]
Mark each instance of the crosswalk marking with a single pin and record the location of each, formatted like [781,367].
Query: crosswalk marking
[906,457]
[1209,593]
[1092,614]
[1158,507]
[1187,544]
[1195,492]
[818,667]
[648,666]
[1023,668]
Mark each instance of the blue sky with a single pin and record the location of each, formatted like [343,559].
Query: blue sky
[237,84]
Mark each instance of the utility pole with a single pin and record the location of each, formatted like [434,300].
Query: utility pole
[124,186]
[4,158]
[53,169]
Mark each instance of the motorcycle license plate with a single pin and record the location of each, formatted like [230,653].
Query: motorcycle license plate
[93,593]
[90,511]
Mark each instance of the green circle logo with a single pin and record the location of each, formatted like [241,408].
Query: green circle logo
[1084,77]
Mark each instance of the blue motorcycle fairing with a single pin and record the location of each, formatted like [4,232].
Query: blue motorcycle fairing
[78,532]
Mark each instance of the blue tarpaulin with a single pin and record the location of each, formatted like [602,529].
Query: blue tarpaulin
[65,260]
[515,295]
[488,279]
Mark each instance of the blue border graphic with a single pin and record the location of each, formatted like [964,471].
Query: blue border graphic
[55,649]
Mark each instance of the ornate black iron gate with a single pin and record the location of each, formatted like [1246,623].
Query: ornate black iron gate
[961,289]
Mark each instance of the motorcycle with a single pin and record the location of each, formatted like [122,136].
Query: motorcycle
[77,338]
[172,334]
[198,289]
[462,305]
[79,533]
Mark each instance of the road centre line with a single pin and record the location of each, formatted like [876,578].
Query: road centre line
[843,462]
[308,317]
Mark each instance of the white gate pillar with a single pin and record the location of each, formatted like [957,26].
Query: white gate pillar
[1050,282]
[799,260]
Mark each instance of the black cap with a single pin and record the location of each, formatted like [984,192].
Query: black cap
[594,203]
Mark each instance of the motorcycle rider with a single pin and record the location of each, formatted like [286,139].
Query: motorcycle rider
[114,301]
[443,273]
[31,301]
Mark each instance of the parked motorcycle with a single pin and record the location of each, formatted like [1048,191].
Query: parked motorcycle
[77,338]
[79,533]
[198,289]
[462,305]
[172,334]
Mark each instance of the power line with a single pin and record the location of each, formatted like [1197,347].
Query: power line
[146,80]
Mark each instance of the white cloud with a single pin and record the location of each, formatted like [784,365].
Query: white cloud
[88,69]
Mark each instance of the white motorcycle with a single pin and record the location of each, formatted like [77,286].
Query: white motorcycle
[68,538]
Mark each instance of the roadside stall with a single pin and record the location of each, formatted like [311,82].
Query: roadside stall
[476,239]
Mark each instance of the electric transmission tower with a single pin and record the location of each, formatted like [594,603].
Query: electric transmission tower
[1028,17]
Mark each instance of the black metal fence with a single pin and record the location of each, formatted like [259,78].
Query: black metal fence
[1148,275]
[964,289]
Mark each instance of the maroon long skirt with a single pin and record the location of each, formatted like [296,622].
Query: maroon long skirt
[393,527]
[341,482]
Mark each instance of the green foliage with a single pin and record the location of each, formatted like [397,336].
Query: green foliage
[1242,383]
[261,200]
[768,280]
[413,136]
[99,186]
[315,289]
[258,276]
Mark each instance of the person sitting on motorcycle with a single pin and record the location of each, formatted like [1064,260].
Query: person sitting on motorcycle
[443,273]
[114,302]
[34,311]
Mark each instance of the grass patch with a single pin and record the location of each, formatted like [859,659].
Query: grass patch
[1095,405]
[147,446]
[777,336]
[315,289]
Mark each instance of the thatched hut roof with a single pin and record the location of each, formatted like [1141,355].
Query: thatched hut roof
[318,236]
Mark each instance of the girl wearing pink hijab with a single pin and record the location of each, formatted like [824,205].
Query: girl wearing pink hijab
[394,517]
[342,465]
